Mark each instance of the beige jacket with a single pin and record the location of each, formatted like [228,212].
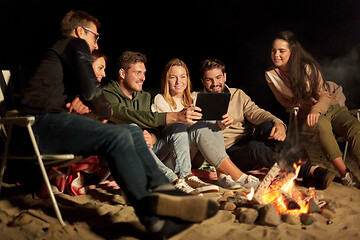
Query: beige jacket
[280,86]
[246,114]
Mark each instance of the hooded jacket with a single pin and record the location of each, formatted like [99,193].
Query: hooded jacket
[136,110]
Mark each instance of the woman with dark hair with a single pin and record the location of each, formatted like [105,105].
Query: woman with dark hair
[296,81]
[98,63]
[99,60]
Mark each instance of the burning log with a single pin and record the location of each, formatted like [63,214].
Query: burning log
[289,201]
[269,178]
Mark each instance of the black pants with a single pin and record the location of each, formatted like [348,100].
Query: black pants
[257,151]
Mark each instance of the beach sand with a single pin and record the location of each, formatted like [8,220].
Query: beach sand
[103,214]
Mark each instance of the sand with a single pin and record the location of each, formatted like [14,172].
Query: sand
[103,214]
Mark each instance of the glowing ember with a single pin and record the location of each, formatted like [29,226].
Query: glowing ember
[279,193]
[251,194]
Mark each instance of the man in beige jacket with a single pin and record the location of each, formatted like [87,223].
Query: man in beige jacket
[254,138]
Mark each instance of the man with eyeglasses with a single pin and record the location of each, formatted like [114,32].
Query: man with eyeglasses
[66,73]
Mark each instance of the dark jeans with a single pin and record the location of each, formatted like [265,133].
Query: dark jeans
[124,147]
[258,151]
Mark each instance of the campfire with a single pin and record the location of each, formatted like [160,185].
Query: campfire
[277,200]
[280,190]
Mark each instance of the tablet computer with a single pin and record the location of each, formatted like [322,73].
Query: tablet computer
[213,105]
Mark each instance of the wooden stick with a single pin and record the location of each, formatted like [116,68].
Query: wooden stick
[270,176]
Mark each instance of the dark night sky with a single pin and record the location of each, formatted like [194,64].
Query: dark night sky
[238,32]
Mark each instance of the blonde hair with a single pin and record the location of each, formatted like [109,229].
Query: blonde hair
[187,100]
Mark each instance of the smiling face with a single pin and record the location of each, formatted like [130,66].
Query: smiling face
[133,79]
[280,54]
[214,80]
[177,81]
[99,66]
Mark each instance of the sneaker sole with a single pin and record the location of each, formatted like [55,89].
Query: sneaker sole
[206,189]
[233,188]
[190,208]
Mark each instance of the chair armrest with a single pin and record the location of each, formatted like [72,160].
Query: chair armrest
[58,157]
[20,121]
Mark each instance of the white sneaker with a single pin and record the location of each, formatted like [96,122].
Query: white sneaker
[203,187]
[226,181]
[350,180]
[248,181]
[183,186]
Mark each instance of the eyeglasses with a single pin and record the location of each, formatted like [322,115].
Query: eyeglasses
[97,35]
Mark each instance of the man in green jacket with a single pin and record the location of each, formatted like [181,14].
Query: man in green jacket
[131,105]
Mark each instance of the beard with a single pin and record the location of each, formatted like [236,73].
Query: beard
[220,87]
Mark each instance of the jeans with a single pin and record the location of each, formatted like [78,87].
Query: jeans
[258,151]
[174,146]
[131,164]
[207,137]
[180,143]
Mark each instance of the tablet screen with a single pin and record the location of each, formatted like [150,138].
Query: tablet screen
[213,105]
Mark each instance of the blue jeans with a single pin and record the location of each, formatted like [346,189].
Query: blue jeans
[180,143]
[174,146]
[258,151]
[207,137]
[131,164]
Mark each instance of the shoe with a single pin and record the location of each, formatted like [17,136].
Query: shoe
[169,189]
[248,181]
[200,186]
[185,208]
[323,177]
[184,187]
[226,181]
[350,180]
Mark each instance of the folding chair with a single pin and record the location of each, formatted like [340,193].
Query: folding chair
[293,128]
[6,126]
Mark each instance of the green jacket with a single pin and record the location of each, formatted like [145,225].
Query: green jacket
[136,110]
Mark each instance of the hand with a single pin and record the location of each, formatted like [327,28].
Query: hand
[77,106]
[148,139]
[313,100]
[227,121]
[278,132]
[189,115]
[312,119]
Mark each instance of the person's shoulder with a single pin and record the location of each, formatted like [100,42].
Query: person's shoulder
[271,70]
[159,97]
[237,92]
[111,87]
[78,44]
[233,91]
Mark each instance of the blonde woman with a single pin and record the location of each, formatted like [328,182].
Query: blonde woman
[204,136]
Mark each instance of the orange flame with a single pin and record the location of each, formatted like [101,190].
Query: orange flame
[251,194]
[274,195]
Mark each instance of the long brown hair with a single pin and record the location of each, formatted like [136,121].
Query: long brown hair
[304,71]
[187,100]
